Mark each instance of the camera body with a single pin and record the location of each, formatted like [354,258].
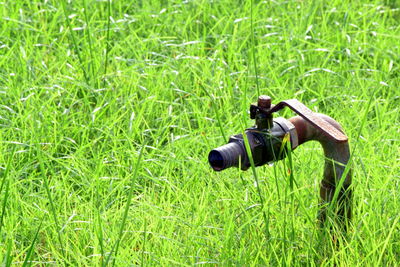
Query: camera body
[266,145]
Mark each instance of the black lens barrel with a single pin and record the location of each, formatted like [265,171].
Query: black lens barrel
[265,146]
[226,156]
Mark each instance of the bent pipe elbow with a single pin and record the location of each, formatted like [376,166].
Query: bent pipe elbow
[337,155]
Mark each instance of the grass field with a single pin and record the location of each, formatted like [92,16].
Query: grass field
[108,111]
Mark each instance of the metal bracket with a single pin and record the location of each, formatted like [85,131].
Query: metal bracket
[303,111]
[288,127]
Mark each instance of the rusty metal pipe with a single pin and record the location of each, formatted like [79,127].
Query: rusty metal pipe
[337,155]
[266,139]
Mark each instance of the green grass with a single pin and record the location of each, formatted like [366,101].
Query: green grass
[85,85]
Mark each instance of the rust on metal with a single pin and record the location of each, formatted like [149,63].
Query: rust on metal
[266,139]
[310,117]
[264,101]
[337,155]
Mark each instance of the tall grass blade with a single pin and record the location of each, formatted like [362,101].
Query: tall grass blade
[29,253]
[107,42]
[7,184]
[395,224]
[128,203]
[100,236]
[90,42]
[8,257]
[214,106]
[74,42]
[144,244]
[49,196]
[253,52]
[254,171]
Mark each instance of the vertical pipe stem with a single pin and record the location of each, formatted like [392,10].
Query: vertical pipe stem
[337,155]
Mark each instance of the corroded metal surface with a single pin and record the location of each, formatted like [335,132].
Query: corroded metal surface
[306,114]
[337,156]
[328,132]
[266,138]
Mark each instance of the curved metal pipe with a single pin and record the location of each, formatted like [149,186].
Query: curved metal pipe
[337,155]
